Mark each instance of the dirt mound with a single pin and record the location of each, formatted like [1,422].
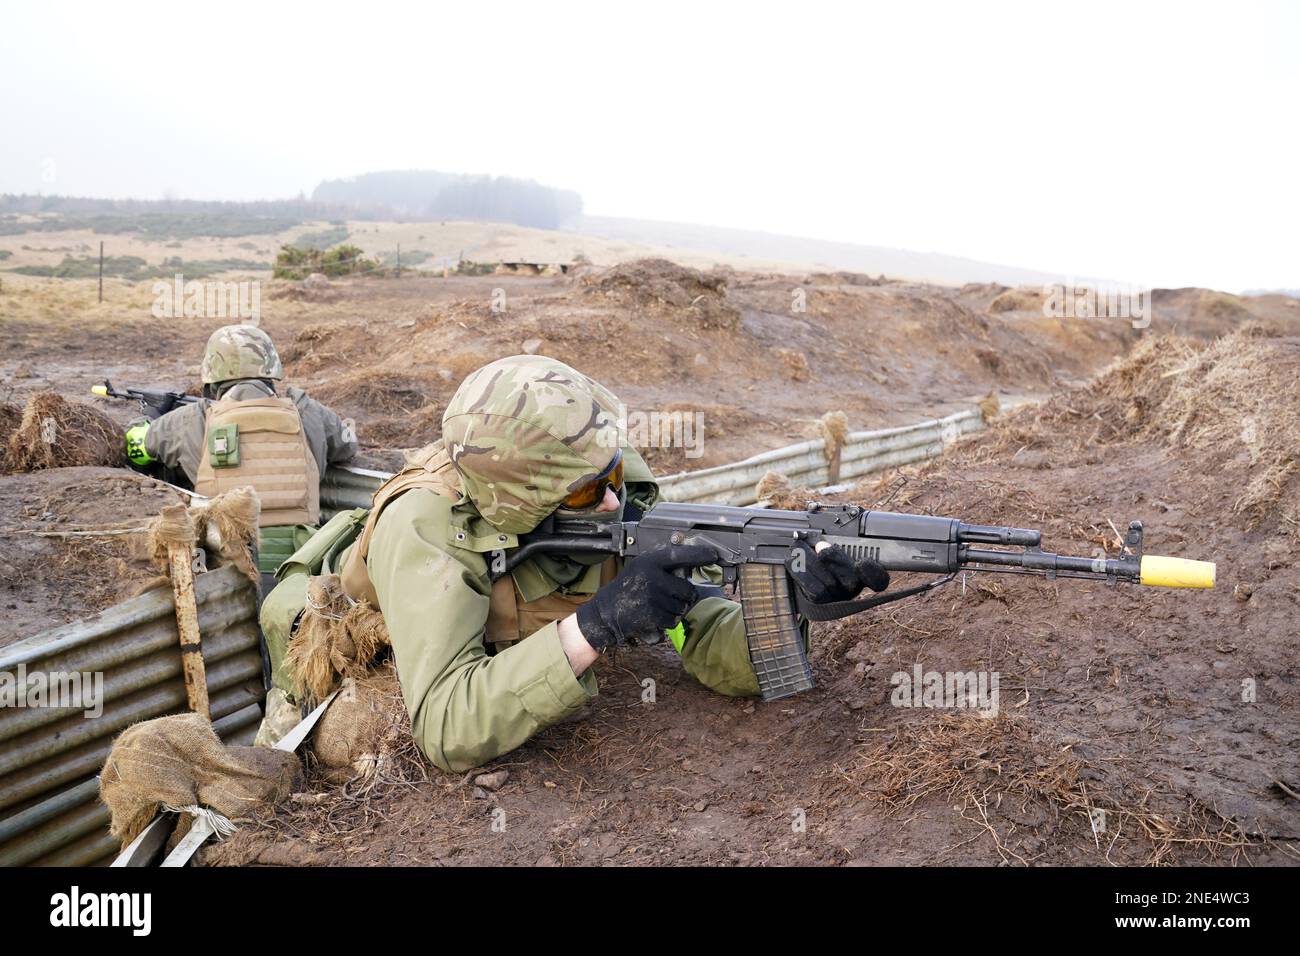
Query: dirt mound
[65,551]
[845,278]
[1229,404]
[412,430]
[658,283]
[374,391]
[56,433]
[10,418]
[314,347]
[1017,300]
[1201,312]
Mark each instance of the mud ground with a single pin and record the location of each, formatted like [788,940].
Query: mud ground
[58,563]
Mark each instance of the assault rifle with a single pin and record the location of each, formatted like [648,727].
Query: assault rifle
[152,404]
[753,545]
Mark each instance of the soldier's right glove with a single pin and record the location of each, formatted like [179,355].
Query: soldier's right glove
[645,599]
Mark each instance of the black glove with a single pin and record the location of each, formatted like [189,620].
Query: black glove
[645,598]
[831,575]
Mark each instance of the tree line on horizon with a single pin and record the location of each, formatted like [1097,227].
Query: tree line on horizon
[429,194]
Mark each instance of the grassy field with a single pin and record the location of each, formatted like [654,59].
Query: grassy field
[425,245]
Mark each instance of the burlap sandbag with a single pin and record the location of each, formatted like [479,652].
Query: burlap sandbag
[179,761]
[366,732]
[234,517]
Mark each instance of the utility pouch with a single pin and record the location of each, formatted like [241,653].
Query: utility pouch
[223,445]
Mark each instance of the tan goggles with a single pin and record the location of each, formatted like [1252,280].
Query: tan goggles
[591,494]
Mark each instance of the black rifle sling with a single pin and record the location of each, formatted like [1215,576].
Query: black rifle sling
[834,610]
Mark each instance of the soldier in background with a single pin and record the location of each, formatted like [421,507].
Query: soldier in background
[243,433]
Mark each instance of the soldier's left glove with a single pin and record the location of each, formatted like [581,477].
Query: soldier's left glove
[135,445]
[830,575]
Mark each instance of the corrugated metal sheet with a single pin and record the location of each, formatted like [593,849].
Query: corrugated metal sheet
[50,757]
[864,453]
[805,464]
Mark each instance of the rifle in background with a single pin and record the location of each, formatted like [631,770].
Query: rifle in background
[154,404]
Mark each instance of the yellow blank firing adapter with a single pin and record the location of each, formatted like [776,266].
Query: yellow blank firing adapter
[99,390]
[1163,572]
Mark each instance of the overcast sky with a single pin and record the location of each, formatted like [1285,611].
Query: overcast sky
[1145,142]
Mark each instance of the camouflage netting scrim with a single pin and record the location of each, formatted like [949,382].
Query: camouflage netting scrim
[335,639]
[523,432]
[240,351]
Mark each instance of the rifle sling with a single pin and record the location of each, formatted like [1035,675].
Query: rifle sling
[834,610]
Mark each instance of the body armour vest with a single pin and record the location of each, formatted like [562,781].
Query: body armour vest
[260,442]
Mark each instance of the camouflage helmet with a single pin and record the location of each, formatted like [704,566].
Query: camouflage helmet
[240,351]
[523,432]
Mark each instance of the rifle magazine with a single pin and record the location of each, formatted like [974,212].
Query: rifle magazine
[776,647]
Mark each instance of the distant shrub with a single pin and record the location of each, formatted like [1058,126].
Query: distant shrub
[295,262]
[201,268]
[467,268]
[87,267]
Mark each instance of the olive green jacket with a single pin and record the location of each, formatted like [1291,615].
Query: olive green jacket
[468,707]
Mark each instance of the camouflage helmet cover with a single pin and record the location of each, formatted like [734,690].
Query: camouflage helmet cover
[523,432]
[240,351]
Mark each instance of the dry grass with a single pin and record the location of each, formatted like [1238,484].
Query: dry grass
[374,390]
[1017,300]
[796,364]
[11,417]
[56,433]
[979,765]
